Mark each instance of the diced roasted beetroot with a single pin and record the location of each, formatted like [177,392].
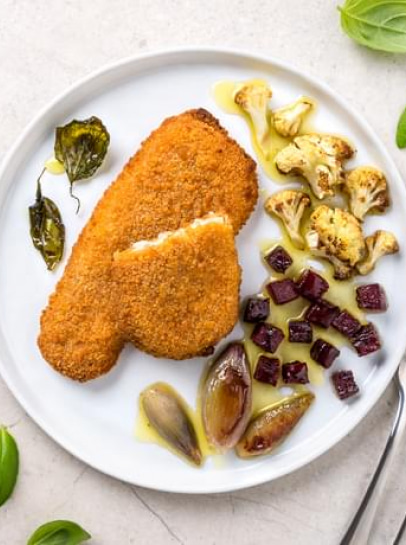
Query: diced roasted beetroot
[267,337]
[267,370]
[300,331]
[256,310]
[311,285]
[344,384]
[346,324]
[322,313]
[324,353]
[279,260]
[282,291]
[295,373]
[372,297]
[366,340]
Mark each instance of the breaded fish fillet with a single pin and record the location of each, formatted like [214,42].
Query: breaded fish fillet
[187,168]
[177,295]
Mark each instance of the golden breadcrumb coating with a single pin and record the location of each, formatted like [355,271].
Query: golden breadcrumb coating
[179,297]
[185,169]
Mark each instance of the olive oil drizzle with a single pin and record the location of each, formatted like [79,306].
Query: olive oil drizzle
[53,166]
[341,293]
[263,395]
[146,433]
[223,93]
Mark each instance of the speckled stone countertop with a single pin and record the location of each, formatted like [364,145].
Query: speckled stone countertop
[46,46]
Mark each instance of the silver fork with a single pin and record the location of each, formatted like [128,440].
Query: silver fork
[400,532]
[360,528]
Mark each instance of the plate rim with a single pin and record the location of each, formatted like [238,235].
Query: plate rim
[160,54]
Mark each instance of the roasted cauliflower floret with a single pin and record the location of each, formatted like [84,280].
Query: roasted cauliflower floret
[367,189]
[318,158]
[253,98]
[288,119]
[336,235]
[289,206]
[379,244]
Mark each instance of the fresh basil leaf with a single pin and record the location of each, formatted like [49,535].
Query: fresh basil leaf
[46,228]
[8,465]
[81,147]
[59,532]
[401,131]
[377,24]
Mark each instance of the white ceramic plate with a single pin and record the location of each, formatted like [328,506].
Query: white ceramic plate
[95,421]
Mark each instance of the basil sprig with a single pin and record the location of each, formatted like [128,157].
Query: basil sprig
[81,147]
[46,228]
[59,532]
[8,464]
[377,24]
[401,131]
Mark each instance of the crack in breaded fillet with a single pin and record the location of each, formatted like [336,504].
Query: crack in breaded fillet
[187,168]
[178,294]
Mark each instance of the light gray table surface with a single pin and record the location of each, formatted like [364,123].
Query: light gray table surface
[45,46]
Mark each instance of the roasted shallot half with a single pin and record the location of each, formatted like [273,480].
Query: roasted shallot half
[227,397]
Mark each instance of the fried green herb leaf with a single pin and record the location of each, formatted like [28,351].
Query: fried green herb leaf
[81,147]
[8,465]
[401,131]
[377,24]
[59,532]
[46,228]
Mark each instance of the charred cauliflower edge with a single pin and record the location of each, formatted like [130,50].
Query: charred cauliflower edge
[289,206]
[336,235]
[319,159]
[379,244]
[367,190]
[288,119]
[253,98]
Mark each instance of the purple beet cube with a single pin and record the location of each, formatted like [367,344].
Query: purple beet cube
[282,291]
[322,313]
[267,337]
[344,384]
[346,324]
[300,331]
[279,260]
[372,297]
[256,310]
[366,340]
[324,353]
[311,285]
[267,370]
[295,373]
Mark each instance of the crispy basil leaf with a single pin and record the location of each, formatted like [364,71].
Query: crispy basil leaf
[46,229]
[8,465]
[53,166]
[401,131]
[377,24]
[81,147]
[59,532]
